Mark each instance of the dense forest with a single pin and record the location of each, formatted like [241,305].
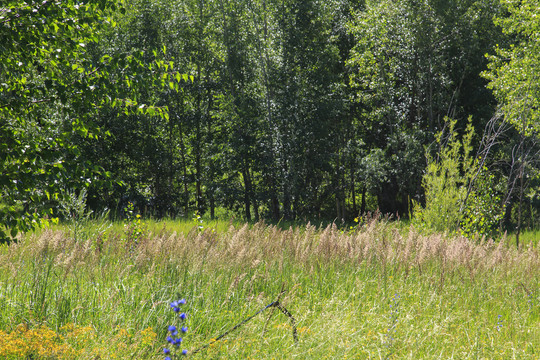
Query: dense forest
[289,109]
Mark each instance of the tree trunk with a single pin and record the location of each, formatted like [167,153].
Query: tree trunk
[520,204]
[247,203]
[353,192]
[184,168]
[363,205]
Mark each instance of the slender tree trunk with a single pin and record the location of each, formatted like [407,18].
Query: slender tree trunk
[199,116]
[264,60]
[171,166]
[247,190]
[363,205]
[210,139]
[184,165]
[274,203]
[185,175]
[253,197]
[521,173]
[353,191]
[520,204]
[287,202]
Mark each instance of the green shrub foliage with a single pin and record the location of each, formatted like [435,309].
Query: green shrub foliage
[460,194]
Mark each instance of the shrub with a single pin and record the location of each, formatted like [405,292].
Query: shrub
[460,193]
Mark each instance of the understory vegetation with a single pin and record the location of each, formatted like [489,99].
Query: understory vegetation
[373,291]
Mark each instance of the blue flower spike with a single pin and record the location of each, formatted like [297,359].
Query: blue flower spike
[173,337]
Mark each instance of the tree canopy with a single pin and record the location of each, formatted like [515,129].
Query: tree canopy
[261,108]
[514,70]
[53,87]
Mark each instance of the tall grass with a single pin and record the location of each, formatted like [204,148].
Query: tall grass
[375,292]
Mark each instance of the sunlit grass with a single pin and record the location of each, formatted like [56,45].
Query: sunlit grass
[526,238]
[457,299]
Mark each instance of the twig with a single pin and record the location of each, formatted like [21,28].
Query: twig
[271,305]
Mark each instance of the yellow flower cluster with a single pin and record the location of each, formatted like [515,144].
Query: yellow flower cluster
[39,343]
[70,342]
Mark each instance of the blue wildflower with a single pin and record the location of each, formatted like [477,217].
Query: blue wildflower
[173,337]
[499,323]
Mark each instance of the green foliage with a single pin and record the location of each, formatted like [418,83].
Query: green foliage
[134,228]
[80,222]
[445,181]
[198,220]
[53,86]
[287,109]
[73,209]
[513,72]
[483,210]
[459,195]
[406,78]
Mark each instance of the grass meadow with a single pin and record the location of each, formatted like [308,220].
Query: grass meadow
[377,291]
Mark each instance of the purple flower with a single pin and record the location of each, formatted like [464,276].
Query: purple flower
[172,328]
[170,339]
[182,316]
[167,358]
[166,351]
[181,301]
[184,329]
[176,309]
[184,352]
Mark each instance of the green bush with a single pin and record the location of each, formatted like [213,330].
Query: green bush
[483,210]
[460,194]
